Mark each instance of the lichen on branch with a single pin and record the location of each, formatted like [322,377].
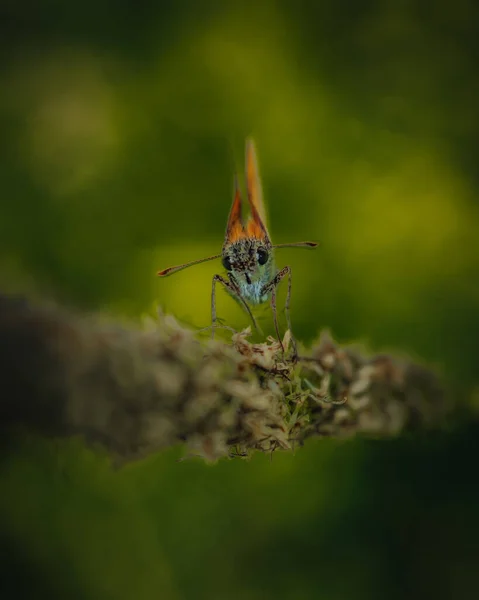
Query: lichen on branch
[135,390]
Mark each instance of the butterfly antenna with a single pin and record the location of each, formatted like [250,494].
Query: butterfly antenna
[297,245]
[172,270]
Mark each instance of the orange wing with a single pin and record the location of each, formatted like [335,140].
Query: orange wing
[235,228]
[256,226]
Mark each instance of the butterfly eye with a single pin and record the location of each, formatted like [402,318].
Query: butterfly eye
[262,256]
[226,263]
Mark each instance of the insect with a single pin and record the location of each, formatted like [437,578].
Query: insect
[248,254]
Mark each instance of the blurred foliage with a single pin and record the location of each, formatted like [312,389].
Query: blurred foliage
[122,126]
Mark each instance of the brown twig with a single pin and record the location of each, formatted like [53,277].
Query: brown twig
[134,391]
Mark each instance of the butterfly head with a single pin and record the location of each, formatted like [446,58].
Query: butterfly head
[249,260]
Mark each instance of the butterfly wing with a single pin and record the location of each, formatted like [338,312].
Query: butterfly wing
[256,226]
[235,227]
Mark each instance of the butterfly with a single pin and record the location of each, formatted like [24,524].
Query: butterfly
[248,253]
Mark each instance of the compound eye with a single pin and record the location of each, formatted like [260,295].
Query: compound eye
[262,256]
[227,263]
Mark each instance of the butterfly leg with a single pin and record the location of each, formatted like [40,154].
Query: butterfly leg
[288,316]
[234,291]
[270,288]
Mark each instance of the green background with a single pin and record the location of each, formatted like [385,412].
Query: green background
[122,125]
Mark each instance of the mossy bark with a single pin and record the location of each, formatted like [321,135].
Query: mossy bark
[137,390]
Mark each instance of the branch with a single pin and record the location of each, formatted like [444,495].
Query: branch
[136,391]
